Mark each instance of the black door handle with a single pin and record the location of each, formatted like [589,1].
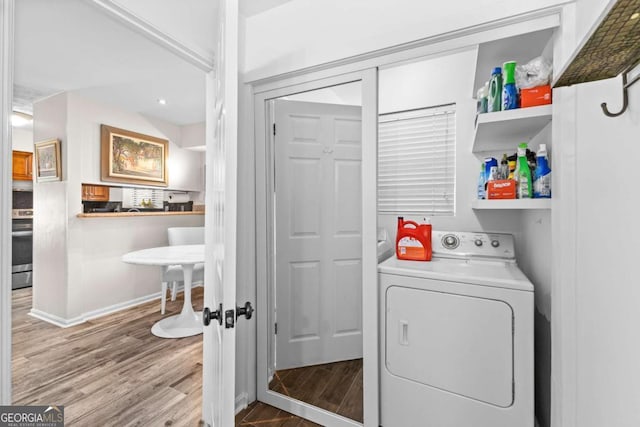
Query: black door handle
[246,311]
[208,315]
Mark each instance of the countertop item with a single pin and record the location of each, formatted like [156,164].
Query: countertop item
[126,214]
[188,322]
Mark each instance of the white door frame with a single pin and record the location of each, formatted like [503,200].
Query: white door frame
[264,246]
[7,16]
[219,341]
[6,98]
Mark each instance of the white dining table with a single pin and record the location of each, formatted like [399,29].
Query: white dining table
[188,322]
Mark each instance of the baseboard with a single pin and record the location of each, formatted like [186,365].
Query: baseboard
[241,402]
[94,314]
[180,288]
[55,320]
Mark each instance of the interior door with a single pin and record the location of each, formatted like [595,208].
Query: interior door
[318,233]
[218,363]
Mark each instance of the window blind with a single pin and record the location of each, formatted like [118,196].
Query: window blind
[147,198]
[416,161]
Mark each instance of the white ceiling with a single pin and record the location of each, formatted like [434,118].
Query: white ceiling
[72,45]
[254,7]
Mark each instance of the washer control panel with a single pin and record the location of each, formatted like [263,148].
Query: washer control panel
[462,244]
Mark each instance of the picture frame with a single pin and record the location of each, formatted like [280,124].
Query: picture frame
[48,161]
[133,158]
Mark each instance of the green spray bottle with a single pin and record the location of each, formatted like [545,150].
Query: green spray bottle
[524,186]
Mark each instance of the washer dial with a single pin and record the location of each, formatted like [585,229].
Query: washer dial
[450,241]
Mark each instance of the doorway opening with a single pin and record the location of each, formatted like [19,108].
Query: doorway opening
[319,238]
[77,68]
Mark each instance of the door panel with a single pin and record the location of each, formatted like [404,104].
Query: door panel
[318,233]
[219,341]
[347,208]
[456,343]
[305,313]
[305,214]
[347,284]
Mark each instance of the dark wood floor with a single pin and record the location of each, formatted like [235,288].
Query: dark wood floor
[259,414]
[112,371]
[336,387]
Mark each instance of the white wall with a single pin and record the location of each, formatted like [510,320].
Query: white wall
[189,21]
[346,94]
[596,296]
[445,79]
[50,215]
[193,136]
[22,139]
[86,116]
[77,267]
[304,33]
[608,295]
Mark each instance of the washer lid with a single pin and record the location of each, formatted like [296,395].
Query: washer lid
[499,274]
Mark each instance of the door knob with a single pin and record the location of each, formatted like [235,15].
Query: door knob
[208,315]
[246,311]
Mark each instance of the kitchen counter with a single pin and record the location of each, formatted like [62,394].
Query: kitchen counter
[130,214]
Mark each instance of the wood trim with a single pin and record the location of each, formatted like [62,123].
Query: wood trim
[7,8]
[130,214]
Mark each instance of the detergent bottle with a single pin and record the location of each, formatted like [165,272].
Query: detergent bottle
[413,241]
[524,186]
[542,182]
[494,102]
[482,183]
[509,90]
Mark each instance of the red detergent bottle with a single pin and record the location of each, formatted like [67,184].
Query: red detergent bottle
[413,241]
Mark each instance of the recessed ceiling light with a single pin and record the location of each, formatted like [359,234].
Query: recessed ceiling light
[162,101]
[635,15]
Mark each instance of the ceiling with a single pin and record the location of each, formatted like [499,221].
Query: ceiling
[254,7]
[73,45]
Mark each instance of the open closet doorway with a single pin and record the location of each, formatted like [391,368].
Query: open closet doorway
[319,161]
[94,85]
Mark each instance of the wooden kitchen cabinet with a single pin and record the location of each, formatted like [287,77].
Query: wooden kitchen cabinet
[95,193]
[22,166]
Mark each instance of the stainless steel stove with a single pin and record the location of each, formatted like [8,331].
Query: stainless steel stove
[22,248]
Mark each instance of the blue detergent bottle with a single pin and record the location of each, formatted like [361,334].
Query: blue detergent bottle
[482,182]
[494,102]
[542,183]
[509,90]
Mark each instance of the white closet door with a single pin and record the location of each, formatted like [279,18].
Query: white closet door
[318,233]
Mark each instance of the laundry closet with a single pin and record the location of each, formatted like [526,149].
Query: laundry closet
[448,82]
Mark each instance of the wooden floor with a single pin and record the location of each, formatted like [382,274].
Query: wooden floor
[336,387]
[112,371]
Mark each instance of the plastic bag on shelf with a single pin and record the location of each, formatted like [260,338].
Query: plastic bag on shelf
[536,72]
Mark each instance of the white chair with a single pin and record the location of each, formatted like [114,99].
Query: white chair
[173,273]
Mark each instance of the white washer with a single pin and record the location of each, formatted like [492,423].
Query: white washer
[456,345]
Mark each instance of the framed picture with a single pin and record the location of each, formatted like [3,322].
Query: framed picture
[133,158]
[47,155]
